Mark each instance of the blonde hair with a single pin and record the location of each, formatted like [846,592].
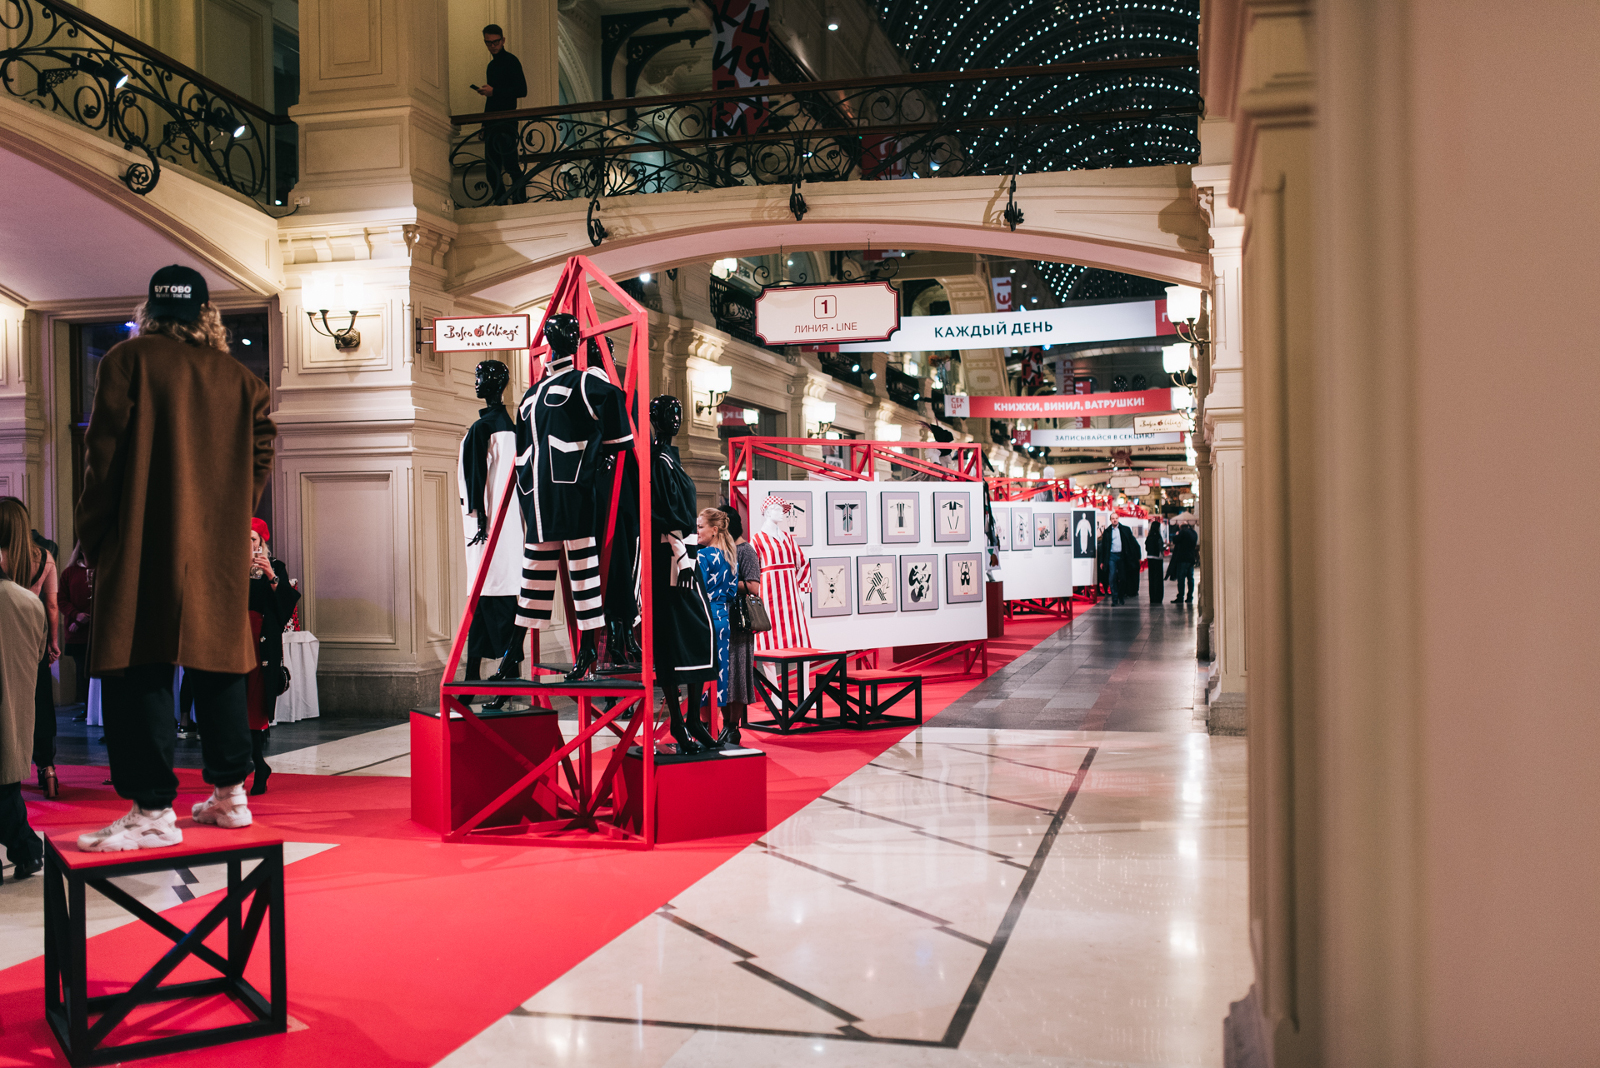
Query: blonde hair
[717,520]
[19,557]
[206,331]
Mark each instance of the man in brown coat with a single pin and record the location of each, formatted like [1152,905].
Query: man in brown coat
[178,450]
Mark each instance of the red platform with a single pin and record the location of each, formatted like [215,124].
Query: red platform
[700,798]
[480,770]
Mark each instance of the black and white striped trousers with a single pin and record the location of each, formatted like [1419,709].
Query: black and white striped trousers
[540,561]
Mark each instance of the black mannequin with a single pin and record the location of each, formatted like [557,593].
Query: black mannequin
[489,383]
[676,617]
[561,331]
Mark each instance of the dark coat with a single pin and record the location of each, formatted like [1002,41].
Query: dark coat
[1185,546]
[177,454]
[1127,562]
[1154,546]
[275,607]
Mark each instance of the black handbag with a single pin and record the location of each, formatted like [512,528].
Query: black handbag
[749,615]
[278,682]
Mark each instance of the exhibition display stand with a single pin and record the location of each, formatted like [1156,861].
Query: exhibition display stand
[546,790]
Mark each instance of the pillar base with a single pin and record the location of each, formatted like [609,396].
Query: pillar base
[1226,714]
[390,694]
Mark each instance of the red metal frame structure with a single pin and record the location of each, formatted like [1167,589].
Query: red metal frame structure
[1025,489]
[588,802]
[862,455]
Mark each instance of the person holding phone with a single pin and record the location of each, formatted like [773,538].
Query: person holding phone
[504,84]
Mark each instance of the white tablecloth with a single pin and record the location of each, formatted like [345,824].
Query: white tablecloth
[300,657]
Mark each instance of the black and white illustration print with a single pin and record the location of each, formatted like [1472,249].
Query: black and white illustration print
[1022,529]
[847,517]
[1083,534]
[952,519]
[963,578]
[799,515]
[830,586]
[876,585]
[919,583]
[1002,527]
[1063,529]
[902,524]
[1044,530]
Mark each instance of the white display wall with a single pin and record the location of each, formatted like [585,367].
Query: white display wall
[1036,569]
[927,537]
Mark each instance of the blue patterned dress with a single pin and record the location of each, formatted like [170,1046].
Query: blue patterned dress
[721,587]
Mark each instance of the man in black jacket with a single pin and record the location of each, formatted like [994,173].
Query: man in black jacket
[503,86]
[1185,555]
[1119,553]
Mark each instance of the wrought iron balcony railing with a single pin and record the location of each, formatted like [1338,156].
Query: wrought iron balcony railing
[69,63]
[865,128]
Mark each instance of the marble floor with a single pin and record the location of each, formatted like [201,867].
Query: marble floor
[1051,872]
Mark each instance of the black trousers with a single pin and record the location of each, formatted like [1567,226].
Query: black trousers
[1156,564]
[44,719]
[500,160]
[494,633]
[141,733]
[22,845]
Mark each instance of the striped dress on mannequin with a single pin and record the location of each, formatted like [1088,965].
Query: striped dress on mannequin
[785,575]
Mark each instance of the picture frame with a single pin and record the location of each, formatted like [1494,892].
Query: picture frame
[800,514]
[877,584]
[1021,529]
[952,516]
[1044,530]
[1084,534]
[847,517]
[1002,528]
[1063,522]
[830,586]
[919,583]
[963,578]
[902,517]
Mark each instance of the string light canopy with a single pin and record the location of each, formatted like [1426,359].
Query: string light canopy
[951,35]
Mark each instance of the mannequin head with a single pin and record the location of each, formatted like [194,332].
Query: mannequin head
[774,516]
[666,416]
[492,380]
[561,332]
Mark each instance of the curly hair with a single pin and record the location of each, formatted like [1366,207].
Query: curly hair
[206,331]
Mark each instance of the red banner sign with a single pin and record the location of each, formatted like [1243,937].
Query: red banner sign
[1058,405]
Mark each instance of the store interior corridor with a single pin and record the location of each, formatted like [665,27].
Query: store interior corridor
[1051,871]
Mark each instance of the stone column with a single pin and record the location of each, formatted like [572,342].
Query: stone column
[1222,516]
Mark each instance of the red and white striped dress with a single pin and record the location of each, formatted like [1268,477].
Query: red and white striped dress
[785,575]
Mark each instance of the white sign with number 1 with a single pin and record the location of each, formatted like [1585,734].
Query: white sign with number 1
[856,311]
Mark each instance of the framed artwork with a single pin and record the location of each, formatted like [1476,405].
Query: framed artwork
[876,584]
[1044,530]
[799,514]
[847,517]
[902,523]
[919,583]
[1022,529]
[1002,527]
[1063,528]
[1083,533]
[830,586]
[963,578]
[952,516]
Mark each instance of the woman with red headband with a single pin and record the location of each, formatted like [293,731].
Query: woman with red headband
[272,602]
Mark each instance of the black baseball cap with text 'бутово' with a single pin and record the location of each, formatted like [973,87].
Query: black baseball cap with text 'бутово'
[176,292]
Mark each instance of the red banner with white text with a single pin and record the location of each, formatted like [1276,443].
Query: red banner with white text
[964,406]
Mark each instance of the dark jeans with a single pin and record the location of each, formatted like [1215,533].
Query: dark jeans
[500,160]
[141,735]
[44,719]
[1183,577]
[80,664]
[15,833]
[1114,577]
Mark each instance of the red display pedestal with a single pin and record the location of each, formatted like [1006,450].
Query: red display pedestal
[700,797]
[479,769]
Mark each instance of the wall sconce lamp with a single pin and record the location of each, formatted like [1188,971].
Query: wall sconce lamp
[1183,311]
[822,413]
[322,290]
[718,383]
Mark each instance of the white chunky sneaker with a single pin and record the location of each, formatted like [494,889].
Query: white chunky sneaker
[139,829]
[226,807]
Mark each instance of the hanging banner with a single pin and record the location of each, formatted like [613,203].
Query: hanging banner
[740,60]
[792,315]
[471,333]
[1083,439]
[1002,293]
[1161,424]
[964,406]
[1052,326]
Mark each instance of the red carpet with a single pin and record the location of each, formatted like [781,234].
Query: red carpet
[402,948]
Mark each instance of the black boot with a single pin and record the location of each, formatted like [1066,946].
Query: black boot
[588,656]
[473,673]
[730,730]
[700,732]
[687,746]
[508,669]
[258,747]
[622,652]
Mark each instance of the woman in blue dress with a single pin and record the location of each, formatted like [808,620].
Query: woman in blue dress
[716,558]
